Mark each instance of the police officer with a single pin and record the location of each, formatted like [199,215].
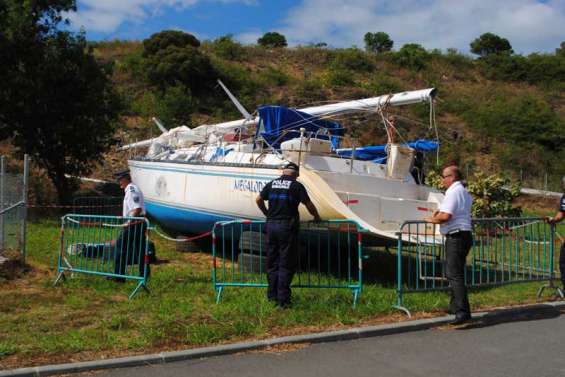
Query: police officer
[284,195]
[130,244]
[560,215]
[454,217]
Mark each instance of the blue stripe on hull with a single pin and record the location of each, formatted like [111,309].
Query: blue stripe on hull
[183,220]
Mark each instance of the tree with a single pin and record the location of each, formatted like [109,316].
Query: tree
[378,42]
[488,44]
[561,50]
[173,64]
[56,103]
[162,40]
[272,39]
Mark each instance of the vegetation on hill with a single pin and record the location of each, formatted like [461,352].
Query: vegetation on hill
[499,112]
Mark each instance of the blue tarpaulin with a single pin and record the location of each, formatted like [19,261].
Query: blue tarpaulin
[280,123]
[377,153]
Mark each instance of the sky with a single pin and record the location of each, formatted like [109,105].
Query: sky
[529,25]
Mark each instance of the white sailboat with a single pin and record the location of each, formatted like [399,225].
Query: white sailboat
[192,178]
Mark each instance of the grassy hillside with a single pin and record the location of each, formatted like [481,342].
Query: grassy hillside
[490,117]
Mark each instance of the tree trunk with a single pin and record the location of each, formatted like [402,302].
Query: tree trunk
[64,186]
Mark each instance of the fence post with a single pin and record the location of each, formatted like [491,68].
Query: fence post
[545,182]
[551,250]
[24,200]
[2,188]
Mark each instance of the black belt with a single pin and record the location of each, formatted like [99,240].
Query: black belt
[284,220]
[457,233]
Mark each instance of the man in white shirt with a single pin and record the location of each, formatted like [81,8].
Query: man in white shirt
[131,243]
[454,217]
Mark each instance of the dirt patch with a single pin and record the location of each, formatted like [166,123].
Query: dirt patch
[537,203]
[13,268]
[282,348]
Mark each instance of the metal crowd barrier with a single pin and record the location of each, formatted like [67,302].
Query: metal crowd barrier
[109,246]
[329,256]
[506,250]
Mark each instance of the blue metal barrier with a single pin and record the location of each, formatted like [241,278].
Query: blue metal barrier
[330,256]
[505,250]
[107,246]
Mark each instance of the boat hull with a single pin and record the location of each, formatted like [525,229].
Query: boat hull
[189,198]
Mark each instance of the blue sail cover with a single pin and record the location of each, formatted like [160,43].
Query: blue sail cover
[377,153]
[279,124]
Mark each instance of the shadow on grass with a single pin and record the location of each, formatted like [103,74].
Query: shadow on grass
[522,314]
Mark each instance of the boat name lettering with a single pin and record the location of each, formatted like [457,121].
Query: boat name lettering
[249,185]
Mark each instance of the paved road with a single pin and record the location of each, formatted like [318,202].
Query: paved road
[512,343]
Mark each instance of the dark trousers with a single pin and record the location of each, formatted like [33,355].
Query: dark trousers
[282,258]
[562,264]
[457,248]
[130,248]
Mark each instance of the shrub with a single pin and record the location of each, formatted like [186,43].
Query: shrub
[340,77]
[412,56]
[492,194]
[383,84]
[175,106]
[310,91]
[272,76]
[226,48]
[352,59]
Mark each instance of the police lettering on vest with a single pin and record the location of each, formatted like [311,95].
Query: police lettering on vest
[284,196]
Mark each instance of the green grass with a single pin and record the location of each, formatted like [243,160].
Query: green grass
[87,317]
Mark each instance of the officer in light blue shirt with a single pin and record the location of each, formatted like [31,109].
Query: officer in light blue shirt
[130,246]
[454,217]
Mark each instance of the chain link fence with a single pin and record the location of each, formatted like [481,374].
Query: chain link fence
[13,210]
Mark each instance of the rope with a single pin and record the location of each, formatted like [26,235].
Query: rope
[184,239]
[71,206]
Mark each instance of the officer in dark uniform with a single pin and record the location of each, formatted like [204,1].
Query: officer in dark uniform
[560,215]
[284,195]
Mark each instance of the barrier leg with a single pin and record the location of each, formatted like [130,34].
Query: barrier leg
[219,291]
[140,285]
[551,255]
[356,292]
[60,276]
[399,292]
[403,309]
[555,288]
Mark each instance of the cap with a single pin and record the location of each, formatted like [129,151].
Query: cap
[122,174]
[291,166]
